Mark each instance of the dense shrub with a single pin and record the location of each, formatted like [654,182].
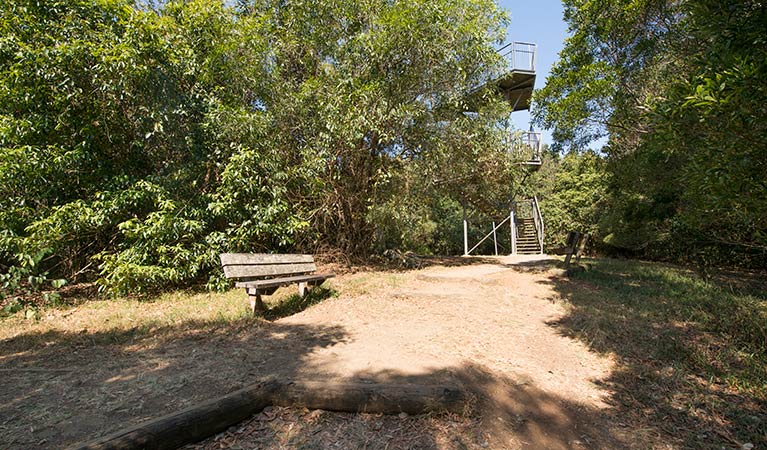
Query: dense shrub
[136,142]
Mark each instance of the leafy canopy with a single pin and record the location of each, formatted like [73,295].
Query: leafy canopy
[139,140]
[680,89]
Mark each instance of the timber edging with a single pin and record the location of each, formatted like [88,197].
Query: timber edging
[198,422]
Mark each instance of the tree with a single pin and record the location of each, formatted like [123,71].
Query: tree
[679,89]
[572,190]
[139,140]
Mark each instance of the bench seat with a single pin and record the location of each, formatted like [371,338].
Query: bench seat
[279,282]
[262,274]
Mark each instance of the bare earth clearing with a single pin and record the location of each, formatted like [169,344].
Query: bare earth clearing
[487,325]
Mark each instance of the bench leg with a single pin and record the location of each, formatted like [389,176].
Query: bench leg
[303,288]
[256,304]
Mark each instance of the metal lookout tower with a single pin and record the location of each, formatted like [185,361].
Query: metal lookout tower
[525,222]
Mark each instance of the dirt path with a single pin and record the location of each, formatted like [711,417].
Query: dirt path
[487,325]
[444,319]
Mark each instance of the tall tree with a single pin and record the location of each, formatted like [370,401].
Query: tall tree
[140,139]
[678,87]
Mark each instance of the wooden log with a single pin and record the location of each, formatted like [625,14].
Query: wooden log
[190,425]
[370,398]
[201,421]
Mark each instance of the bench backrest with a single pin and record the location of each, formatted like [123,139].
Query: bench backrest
[249,266]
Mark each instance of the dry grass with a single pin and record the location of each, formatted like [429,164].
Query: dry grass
[691,347]
[142,316]
[114,317]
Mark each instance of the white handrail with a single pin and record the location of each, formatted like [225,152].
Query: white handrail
[487,236]
[538,221]
[521,55]
[526,144]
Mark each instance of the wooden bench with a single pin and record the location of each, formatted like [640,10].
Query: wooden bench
[261,274]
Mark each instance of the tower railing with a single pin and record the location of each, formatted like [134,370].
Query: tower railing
[528,145]
[520,55]
[538,221]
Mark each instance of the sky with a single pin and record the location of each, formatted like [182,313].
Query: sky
[540,22]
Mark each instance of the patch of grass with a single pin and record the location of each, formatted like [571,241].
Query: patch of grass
[294,303]
[113,317]
[363,283]
[117,320]
[692,348]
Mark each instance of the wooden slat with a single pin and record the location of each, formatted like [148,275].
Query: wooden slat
[255,271]
[262,258]
[284,281]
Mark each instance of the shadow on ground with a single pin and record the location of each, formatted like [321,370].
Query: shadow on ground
[59,388]
[502,413]
[691,359]
[295,303]
[536,265]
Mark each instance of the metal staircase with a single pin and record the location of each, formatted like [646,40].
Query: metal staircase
[527,224]
[527,237]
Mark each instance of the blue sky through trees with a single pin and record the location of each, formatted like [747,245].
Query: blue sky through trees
[539,22]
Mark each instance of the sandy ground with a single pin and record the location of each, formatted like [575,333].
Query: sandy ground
[443,320]
[488,325]
[490,328]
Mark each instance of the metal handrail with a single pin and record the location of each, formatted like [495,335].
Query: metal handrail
[495,227]
[535,218]
[538,221]
[527,142]
[520,55]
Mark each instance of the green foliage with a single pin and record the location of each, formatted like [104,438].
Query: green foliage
[680,89]
[574,198]
[22,284]
[137,143]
